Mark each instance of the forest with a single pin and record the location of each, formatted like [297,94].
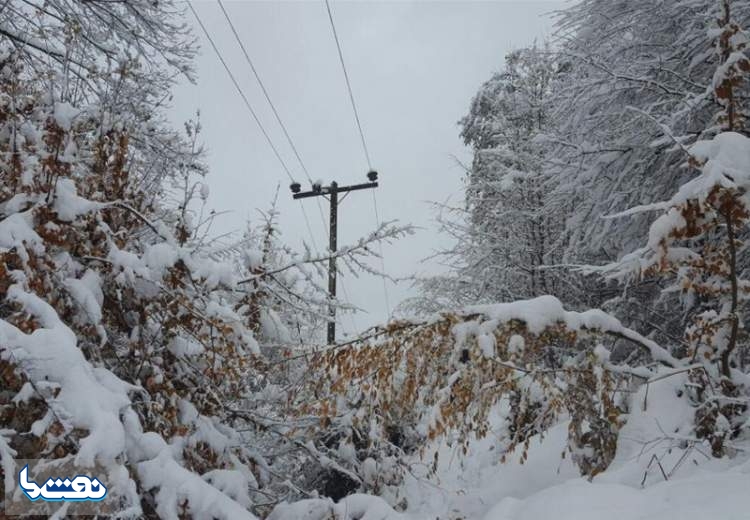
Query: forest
[584,354]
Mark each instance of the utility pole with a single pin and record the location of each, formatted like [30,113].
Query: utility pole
[331,193]
[332,247]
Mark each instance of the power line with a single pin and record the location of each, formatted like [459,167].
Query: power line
[364,146]
[252,112]
[265,91]
[289,139]
[348,85]
[241,93]
[257,119]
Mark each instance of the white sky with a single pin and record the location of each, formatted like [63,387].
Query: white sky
[414,67]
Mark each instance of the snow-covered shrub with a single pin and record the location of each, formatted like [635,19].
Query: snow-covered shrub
[116,344]
[167,324]
[446,374]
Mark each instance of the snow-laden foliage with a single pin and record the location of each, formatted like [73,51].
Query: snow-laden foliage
[115,338]
[129,336]
[631,67]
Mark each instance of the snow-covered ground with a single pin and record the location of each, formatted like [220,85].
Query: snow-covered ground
[658,474]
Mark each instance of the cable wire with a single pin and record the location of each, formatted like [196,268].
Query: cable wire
[252,112]
[262,85]
[348,85]
[289,139]
[265,91]
[364,148]
[241,93]
[258,122]
[263,88]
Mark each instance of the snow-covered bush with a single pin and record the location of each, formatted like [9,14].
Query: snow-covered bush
[116,344]
[445,375]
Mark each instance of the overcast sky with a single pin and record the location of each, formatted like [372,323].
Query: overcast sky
[414,67]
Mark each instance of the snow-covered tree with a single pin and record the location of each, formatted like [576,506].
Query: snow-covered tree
[628,63]
[698,242]
[512,236]
[128,335]
[506,239]
[114,337]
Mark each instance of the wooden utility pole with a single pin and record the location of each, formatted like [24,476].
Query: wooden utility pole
[332,247]
[331,193]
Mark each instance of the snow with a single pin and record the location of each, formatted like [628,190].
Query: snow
[244,339]
[273,327]
[253,258]
[725,162]
[159,257]
[16,232]
[87,293]
[176,484]
[545,311]
[538,313]
[353,507]
[208,431]
[64,114]
[184,347]
[70,155]
[734,61]
[84,399]
[487,345]
[215,274]
[663,226]
[473,484]
[508,181]
[719,495]
[727,159]
[95,401]
[68,204]
[6,458]
[27,392]
[233,483]
[516,344]
[547,485]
